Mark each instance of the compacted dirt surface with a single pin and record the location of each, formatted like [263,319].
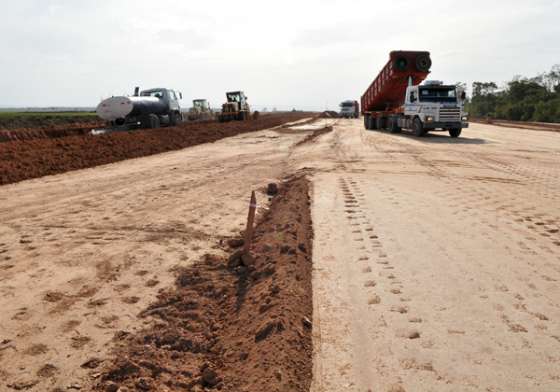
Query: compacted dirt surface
[435,266]
[84,254]
[437,261]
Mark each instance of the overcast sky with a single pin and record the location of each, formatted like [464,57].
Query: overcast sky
[284,54]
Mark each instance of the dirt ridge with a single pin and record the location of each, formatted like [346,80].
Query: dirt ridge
[25,159]
[228,327]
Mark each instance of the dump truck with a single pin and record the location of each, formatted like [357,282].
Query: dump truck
[349,109]
[397,100]
[200,111]
[145,109]
[236,107]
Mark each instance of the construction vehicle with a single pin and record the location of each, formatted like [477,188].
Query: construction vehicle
[236,107]
[200,111]
[145,109]
[349,109]
[396,99]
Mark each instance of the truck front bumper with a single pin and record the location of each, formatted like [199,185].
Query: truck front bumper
[445,125]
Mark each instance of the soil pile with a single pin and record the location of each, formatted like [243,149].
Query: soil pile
[25,159]
[329,114]
[316,133]
[48,132]
[229,327]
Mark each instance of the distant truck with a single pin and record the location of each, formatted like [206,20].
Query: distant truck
[349,109]
[151,108]
[396,99]
[236,107]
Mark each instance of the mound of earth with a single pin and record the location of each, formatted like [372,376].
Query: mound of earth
[228,327]
[26,159]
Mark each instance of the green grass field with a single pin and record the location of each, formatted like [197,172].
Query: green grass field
[4,115]
[15,120]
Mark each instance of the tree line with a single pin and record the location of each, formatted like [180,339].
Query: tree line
[522,99]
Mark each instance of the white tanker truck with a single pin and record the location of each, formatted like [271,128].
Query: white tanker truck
[145,109]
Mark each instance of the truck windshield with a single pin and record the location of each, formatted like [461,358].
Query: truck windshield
[347,105]
[157,94]
[438,94]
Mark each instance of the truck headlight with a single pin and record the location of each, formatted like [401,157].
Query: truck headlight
[465,118]
[429,118]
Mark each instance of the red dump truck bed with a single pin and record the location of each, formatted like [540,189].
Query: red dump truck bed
[387,91]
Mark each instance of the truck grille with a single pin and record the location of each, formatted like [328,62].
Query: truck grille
[449,114]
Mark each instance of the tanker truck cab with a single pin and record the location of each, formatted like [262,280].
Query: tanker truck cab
[145,109]
[434,106]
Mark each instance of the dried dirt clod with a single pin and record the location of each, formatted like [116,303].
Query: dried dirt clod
[209,378]
[92,363]
[111,387]
[268,329]
[235,243]
[272,189]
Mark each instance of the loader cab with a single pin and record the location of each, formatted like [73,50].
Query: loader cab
[201,105]
[236,96]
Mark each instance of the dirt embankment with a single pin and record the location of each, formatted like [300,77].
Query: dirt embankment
[229,327]
[26,159]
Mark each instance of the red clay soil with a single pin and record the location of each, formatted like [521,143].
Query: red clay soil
[316,133]
[228,327]
[26,159]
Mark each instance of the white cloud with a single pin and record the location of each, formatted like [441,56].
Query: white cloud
[285,54]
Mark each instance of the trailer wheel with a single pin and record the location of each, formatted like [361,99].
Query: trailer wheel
[455,132]
[367,124]
[380,123]
[419,128]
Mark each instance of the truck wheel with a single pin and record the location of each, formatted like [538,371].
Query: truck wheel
[394,125]
[455,132]
[367,122]
[174,118]
[154,121]
[380,123]
[419,128]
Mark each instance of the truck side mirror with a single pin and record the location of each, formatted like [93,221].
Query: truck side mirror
[463,96]
[180,95]
[412,97]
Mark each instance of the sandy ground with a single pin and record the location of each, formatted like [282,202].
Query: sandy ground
[82,253]
[436,259]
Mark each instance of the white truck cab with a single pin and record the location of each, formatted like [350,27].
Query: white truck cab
[436,105]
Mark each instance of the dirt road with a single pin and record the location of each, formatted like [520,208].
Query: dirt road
[436,260]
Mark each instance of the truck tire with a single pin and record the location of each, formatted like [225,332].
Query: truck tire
[368,122]
[393,125]
[419,128]
[455,132]
[380,123]
[154,121]
[174,119]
